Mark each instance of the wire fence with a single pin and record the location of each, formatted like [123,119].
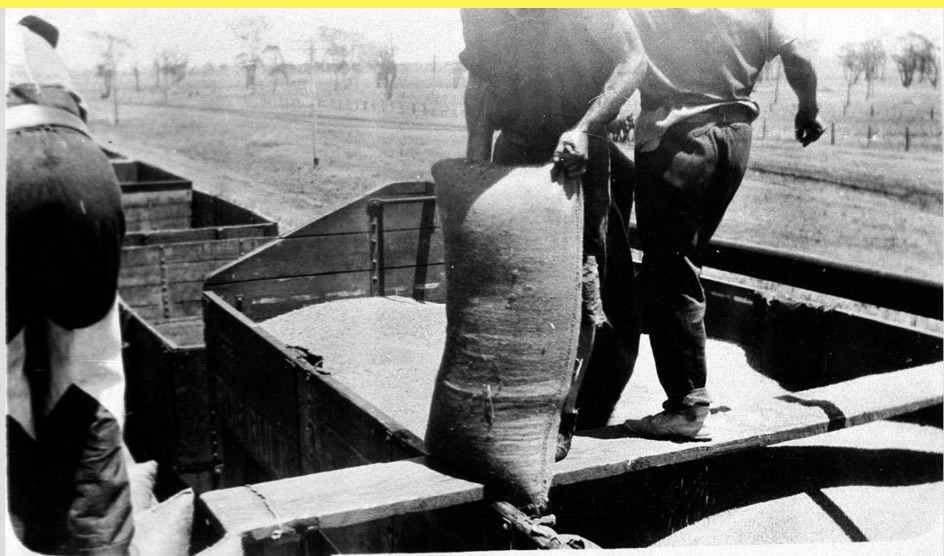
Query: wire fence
[899,125]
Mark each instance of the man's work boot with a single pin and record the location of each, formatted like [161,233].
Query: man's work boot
[683,424]
[565,434]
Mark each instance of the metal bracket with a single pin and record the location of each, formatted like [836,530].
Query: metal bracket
[375,213]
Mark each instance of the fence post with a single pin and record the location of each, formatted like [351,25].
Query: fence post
[932,113]
[907,138]
[832,133]
[868,136]
[763,133]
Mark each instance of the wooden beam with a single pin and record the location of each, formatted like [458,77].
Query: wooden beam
[602,453]
[370,492]
[337,498]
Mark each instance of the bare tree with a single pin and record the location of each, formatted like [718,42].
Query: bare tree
[851,70]
[173,69]
[386,70]
[916,56]
[113,50]
[275,65]
[344,54]
[872,57]
[250,30]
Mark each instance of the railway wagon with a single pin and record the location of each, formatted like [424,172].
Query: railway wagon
[316,463]
[176,236]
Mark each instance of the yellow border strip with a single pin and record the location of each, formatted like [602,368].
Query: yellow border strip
[939,4]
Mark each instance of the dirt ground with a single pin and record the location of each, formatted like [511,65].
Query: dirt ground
[263,162]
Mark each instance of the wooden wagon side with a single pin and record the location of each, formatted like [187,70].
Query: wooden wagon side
[304,421]
[176,236]
[287,418]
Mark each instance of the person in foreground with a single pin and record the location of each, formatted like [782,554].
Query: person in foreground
[67,473]
[693,140]
[549,80]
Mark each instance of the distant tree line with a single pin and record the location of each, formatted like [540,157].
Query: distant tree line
[914,55]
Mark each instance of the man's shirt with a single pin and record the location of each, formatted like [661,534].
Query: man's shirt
[543,67]
[700,59]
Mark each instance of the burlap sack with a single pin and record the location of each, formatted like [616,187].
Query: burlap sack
[513,250]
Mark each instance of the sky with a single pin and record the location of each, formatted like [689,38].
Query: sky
[206,35]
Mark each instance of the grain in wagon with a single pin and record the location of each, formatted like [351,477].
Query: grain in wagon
[388,350]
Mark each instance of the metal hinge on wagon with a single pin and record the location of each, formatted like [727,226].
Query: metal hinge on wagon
[376,253]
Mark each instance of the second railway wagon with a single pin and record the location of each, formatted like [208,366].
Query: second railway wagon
[176,236]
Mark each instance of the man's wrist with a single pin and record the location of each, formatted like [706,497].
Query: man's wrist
[808,110]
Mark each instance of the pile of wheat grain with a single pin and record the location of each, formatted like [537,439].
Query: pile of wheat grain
[386,349]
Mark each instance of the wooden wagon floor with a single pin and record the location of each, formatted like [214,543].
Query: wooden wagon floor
[388,350]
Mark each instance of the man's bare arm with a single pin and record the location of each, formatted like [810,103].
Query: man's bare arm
[802,79]
[620,40]
[480,130]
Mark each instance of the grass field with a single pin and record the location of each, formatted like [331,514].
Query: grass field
[862,202]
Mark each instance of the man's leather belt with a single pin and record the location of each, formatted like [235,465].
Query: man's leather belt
[728,114]
[23,116]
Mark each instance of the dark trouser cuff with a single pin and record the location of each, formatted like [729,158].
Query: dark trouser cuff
[698,396]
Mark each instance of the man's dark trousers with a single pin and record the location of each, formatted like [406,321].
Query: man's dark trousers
[683,189]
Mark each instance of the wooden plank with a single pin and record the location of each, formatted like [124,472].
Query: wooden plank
[338,498]
[805,413]
[153,199]
[145,225]
[182,299]
[220,249]
[264,299]
[267,230]
[158,217]
[366,493]
[130,276]
[306,256]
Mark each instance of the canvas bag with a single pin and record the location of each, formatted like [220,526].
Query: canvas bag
[513,254]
